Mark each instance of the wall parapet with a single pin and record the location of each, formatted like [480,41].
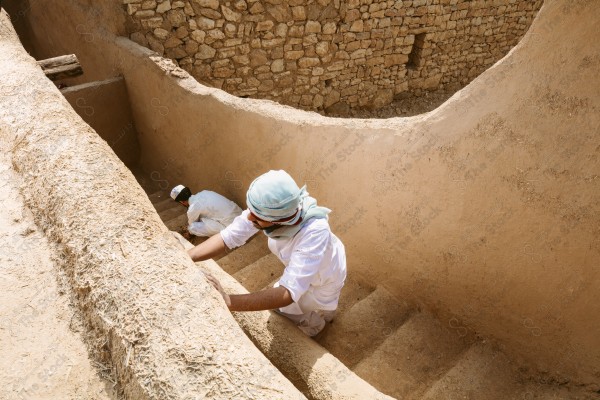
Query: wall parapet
[331,54]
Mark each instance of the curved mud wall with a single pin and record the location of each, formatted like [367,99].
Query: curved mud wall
[329,53]
[484,210]
[152,315]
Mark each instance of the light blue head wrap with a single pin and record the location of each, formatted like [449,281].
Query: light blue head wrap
[274,196]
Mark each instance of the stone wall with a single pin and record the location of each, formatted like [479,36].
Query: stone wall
[327,53]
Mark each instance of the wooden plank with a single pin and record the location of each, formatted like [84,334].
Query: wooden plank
[56,68]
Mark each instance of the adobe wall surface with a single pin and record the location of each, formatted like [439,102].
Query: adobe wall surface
[150,313]
[484,211]
[330,53]
[104,105]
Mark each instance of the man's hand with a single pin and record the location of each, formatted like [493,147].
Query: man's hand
[217,285]
[267,299]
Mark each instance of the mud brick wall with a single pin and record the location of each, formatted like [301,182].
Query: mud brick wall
[331,54]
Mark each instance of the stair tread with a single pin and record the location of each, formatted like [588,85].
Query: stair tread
[354,334]
[254,249]
[411,358]
[173,212]
[481,373]
[158,196]
[165,204]
[260,273]
[178,223]
[352,292]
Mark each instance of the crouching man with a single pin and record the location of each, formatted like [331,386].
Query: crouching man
[208,212]
[299,235]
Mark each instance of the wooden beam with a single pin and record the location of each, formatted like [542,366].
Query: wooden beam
[61,67]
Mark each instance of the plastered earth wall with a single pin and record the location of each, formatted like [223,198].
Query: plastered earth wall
[484,211]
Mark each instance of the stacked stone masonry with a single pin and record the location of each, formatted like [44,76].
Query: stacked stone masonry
[331,54]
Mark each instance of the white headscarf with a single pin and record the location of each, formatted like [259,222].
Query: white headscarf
[274,196]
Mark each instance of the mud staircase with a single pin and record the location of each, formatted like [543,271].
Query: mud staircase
[401,351]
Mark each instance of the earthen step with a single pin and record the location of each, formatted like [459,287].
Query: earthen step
[254,249]
[178,223]
[413,357]
[356,333]
[260,273]
[173,212]
[352,293]
[165,204]
[481,373]
[158,196]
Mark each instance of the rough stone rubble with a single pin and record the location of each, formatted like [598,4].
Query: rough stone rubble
[331,55]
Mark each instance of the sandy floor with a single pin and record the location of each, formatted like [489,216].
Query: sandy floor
[40,355]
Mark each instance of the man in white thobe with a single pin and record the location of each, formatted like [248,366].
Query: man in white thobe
[299,235]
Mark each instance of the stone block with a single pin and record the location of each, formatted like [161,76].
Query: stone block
[351,16]
[266,85]
[296,31]
[163,7]
[280,13]
[257,8]
[293,54]
[151,23]
[214,4]
[148,5]
[298,13]
[281,30]
[258,57]
[205,52]
[144,14]
[240,5]
[161,34]
[210,13]
[329,28]
[278,66]
[356,54]
[198,36]
[223,72]
[191,47]
[231,15]
[133,8]
[357,26]
[177,17]
[270,43]
[395,59]
[181,32]
[264,26]
[312,27]
[331,98]
[232,43]
[322,48]
[172,42]
[308,62]
[205,23]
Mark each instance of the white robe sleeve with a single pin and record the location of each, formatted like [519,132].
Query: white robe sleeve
[239,231]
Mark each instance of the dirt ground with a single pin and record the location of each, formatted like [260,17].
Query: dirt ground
[41,354]
[406,106]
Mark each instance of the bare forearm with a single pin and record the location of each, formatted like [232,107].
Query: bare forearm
[268,299]
[208,249]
